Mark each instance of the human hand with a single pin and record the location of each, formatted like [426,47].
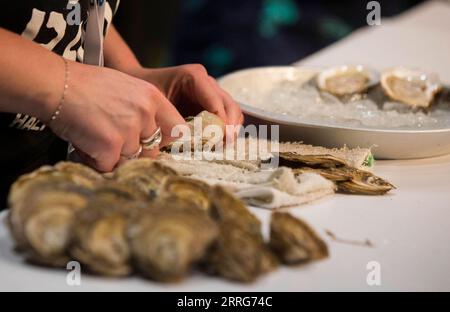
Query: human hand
[106,113]
[192,90]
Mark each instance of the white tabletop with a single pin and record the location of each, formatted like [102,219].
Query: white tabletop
[410,227]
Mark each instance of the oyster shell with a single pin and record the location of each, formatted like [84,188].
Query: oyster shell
[79,173]
[41,222]
[188,190]
[294,241]
[295,160]
[238,255]
[228,209]
[411,87]
[166,243]
[203,136]
[346,80]
[352,180]
[100,236]
[143,174]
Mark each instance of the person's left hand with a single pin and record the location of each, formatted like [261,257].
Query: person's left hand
[192,90]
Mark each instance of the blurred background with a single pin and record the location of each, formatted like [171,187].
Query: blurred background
[225,35]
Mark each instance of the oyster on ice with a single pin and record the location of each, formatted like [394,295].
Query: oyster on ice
[294,241]
[411,87]
[346,80]
[166,243]
[143,174]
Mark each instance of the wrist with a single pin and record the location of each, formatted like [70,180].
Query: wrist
[50,102]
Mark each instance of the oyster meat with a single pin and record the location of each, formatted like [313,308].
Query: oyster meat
[166,243]
[346,80]
[294,241]
[411,87]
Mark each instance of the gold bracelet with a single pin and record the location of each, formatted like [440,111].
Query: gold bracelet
[66,86]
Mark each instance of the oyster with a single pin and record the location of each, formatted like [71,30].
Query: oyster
[239,255]
[41,222]
[411,87]
[143,174]
[295,160]
[228,209]
[346,80]
[189,190]
[351,180]
[79,173]
[100,236]
[294,241]
[206,131]
[166,243]
[112,191]
[207,119]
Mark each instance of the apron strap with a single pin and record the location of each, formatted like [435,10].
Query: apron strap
[93,44]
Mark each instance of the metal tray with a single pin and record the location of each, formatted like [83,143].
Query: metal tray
[386,143]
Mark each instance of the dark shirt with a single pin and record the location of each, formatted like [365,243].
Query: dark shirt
[26,143]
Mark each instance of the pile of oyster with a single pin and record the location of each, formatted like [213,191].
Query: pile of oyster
[147,219]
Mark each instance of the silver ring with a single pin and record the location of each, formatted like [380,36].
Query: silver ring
[153,141]
[135,155]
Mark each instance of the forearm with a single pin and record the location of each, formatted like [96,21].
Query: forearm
[118,54]
[31,77]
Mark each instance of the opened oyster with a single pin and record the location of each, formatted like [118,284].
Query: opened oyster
[294,241]
[143,174]
[239,255]
[411,87]
[352,180]
[189,190]
[348,179]
[346,80]
[166,243]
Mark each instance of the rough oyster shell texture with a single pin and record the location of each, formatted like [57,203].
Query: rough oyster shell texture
[294,241]
[347,179]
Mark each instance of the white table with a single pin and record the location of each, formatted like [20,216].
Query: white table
[410,227]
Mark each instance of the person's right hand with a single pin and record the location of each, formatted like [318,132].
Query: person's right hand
[106,113]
